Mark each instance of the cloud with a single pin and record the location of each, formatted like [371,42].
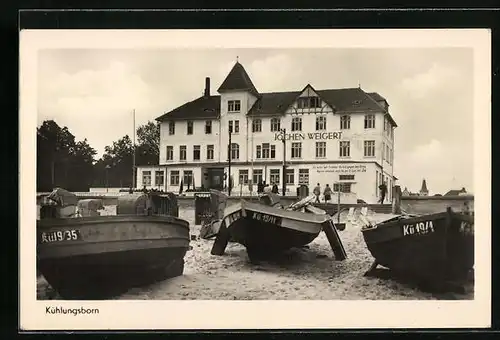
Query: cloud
[276,73]
[423,84]
[444,166]
[95,103]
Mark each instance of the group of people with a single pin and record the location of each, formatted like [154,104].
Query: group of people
[327,193]
[261,186]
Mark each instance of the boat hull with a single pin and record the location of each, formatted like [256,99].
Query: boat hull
[95,257]
[266,231]
[433,248]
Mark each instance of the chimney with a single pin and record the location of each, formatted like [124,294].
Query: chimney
[207,87]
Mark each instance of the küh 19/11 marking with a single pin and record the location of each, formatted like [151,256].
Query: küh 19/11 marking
[420,228]
[266,218]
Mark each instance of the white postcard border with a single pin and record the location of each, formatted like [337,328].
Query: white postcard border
[122,315]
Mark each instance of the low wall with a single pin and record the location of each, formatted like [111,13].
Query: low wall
[409,204]
[434,204]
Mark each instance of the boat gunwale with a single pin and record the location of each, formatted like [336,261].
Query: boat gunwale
[76,221]
[83,242]
[283,213]
[418,219]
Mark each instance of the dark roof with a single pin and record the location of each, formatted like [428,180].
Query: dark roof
[376,96]
[238,79]
[201,108]
[342,100]
[455,192]
[348,100]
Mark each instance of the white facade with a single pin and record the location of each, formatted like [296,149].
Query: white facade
[323,145]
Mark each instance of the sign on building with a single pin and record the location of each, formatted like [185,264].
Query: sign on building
[339,168]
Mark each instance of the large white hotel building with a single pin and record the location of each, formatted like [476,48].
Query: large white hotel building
[341,137]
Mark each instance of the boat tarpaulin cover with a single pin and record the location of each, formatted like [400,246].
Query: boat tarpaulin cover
[63,197]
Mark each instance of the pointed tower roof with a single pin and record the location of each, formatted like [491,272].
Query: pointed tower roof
[424,186]
[238,79]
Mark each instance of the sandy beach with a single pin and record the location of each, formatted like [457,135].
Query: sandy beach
[310,273]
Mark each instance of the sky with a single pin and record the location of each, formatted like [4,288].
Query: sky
[430,92]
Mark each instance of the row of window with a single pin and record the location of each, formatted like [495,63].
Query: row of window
[159,178]
[274,176]
[296,125]
[257,176]
[190,127]
[302,103]
[196,152]
[388,128]
[268,151]
[387,153]
[345,123]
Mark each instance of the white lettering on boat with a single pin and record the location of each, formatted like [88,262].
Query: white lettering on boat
[233,217]
[60,236]
[266,218]
[420,228]
[466,228]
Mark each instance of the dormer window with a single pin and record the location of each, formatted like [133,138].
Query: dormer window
[308,102]
[233,106]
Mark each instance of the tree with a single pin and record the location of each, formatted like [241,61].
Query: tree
[61,161]
[114,169]
[148,147]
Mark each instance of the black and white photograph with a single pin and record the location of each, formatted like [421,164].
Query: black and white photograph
[255,166]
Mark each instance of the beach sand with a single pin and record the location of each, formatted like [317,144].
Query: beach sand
[303,274]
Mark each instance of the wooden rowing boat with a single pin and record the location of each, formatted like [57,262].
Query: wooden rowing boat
[266,230]
[100,256]
[434,249]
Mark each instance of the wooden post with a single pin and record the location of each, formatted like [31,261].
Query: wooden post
[221,240]
[396,201]
[334,240]
[283,177]
[338,205]
[229,148]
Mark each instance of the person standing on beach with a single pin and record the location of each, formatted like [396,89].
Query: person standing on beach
[274,190]
[260,187]
[327,193]
[383,191]
[317,192]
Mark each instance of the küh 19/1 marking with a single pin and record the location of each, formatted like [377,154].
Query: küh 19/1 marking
[420,228]
[60,236]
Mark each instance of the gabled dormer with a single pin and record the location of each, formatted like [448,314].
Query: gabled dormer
[238,93]
[309,101]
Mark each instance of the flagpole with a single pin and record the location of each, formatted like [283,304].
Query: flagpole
[133,152]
